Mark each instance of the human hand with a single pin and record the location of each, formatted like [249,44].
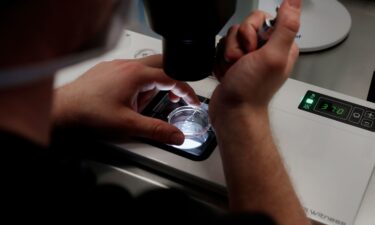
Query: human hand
[249,76]
[107,99]
[256,178]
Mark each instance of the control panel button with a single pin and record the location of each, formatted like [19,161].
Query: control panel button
[356,115]
[367,123]
[370,115]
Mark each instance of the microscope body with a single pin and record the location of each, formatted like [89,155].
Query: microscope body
[189,29]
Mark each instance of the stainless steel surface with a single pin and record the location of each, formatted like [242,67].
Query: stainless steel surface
[348,67]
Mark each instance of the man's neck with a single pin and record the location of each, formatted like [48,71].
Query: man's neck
[26,110]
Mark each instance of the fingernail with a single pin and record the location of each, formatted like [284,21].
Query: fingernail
[177,138]
[295,3]
[195,102]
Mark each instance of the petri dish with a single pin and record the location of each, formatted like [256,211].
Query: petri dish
[193,122]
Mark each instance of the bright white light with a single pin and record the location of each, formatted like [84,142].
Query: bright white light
[309,101]
[189,144]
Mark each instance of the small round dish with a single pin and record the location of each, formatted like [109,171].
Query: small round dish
[193,122]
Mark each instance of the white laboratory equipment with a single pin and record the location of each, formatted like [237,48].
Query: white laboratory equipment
[324,23]
[327,140]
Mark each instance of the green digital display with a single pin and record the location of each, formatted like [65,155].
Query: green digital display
[339,110]
[333,108]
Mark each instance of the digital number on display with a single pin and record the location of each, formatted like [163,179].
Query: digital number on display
[333,108]
[338,109]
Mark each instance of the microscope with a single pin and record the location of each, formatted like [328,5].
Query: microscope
[189,29]
[189,32]
[326,138]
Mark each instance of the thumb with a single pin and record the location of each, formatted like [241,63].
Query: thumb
[287,26]
[157,130]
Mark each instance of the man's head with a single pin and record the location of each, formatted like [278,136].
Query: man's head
[39,31]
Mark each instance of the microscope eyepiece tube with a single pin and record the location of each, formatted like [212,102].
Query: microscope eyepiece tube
[189,30]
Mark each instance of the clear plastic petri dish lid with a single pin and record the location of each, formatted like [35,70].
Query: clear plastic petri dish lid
[191,120]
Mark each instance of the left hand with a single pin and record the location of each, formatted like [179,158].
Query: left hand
[107,99]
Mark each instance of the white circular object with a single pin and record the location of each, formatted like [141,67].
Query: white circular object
[193,123]
[324,23]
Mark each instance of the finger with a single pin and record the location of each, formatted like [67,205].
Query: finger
[173,98]
[287,26]
[233,50]
[148,78]
[156,130]
[156,78]
[293,55]
[155,61]
[186,92]
[221,65]
[179,90]
[247,32]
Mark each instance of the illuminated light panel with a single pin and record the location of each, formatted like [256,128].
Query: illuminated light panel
[309,101]
[189,144]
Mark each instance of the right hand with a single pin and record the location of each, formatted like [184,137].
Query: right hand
[249,76]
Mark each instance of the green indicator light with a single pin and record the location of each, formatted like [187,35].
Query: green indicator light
[309,101]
